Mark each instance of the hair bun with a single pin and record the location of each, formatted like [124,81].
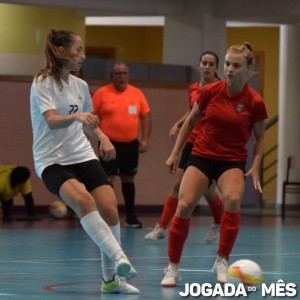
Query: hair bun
[248,46]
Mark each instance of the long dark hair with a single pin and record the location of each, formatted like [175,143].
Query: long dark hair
[55,58]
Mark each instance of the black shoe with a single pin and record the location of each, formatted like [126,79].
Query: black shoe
[133,222]
[72,215]
[30,218]
[7,219]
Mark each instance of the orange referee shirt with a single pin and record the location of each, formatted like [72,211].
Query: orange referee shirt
[119,112]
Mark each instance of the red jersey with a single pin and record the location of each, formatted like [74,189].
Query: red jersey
[193,96]
[227,121]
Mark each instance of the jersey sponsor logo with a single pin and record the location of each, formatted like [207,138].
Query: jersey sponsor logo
[240,107]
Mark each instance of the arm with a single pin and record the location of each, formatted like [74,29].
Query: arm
[258,150]
[56,121]
[29,204]
[175,128]
[146,125]
[90,126]
[185,131]
[106,149]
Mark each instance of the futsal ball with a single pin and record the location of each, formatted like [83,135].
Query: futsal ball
[58,209]
[245,271]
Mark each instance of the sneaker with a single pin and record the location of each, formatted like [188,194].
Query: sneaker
[157,233]
[172,276]
[124,268]
[133,222]
[118,286]
[213,233]
[220,269]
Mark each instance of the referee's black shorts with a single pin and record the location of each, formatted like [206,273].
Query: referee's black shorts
[126,162]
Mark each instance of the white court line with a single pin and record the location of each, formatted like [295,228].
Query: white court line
[48,260]
[146,257]
[244,254]
[209,271]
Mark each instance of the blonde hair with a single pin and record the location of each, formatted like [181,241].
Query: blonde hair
[245,49]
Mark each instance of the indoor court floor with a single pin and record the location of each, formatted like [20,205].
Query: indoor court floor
[56,260]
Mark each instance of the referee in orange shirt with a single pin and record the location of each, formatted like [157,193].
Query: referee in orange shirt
[121,108]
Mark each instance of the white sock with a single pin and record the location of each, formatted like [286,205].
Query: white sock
[173,266]
[108,265]
[101,234]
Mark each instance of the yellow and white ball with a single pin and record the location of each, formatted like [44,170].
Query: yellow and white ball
[58,209]
[245,271]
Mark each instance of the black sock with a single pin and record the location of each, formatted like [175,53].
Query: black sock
[7,208]
[128,190]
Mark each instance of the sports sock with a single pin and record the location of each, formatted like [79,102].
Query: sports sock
[216,207]
[128,190]
[101,234]
[229,229]
[108,265]
[179,231]
[168,211]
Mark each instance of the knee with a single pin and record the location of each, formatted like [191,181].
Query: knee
[127,178]
[232,202]
[81,202]
[109,211]
[82,197]
[184,209]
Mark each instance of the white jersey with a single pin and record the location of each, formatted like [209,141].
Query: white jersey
[68,145]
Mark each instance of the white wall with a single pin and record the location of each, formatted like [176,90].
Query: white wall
[19,64]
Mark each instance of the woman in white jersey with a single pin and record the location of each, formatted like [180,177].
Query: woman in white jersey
[60,107]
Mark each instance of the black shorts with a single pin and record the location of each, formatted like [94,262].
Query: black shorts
[185,155]
[213,168]
[90,173]
[126,161]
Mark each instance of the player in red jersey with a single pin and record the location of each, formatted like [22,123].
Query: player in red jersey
[229,110]
[208,65]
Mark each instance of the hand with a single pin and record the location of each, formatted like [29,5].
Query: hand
[107,149]
[255,178]
[172,162]
[143,146]
[174,130]
[88,119]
